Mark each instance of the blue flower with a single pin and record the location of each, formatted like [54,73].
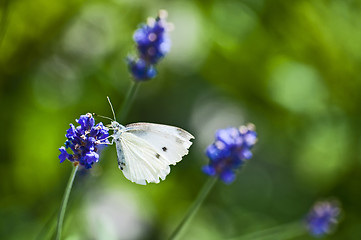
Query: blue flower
[231,148]
[84,141]
[63,155]
[153,43]
[322,218]
[141,70]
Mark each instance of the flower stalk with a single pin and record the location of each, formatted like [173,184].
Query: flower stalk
[132,91]
[207,187]
[65,202]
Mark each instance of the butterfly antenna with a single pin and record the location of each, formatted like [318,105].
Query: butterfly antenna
[111,107]
[102,116]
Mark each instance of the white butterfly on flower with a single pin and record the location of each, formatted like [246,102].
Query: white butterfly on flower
[146,150]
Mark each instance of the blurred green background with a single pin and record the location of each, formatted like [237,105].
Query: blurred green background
[290,67]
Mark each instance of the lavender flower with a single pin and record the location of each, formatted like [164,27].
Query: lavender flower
[232,147]
[153,43]
[322,218]
[140,69]
[84,141]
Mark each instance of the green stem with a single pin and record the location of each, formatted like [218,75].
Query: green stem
[281,232]
[129,100]
[65,202]
[194,208]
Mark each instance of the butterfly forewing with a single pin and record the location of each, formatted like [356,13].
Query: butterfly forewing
[171,142]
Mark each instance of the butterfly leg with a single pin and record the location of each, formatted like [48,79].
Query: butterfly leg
[109,143]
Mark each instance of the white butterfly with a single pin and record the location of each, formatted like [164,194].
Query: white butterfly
[146,150]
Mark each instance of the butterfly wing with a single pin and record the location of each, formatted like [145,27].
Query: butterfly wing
[170,142]
[142,163]
[146,150]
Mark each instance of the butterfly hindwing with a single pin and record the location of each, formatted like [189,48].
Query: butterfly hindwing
[143,163]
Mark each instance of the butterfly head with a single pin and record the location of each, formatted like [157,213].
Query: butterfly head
[116,126]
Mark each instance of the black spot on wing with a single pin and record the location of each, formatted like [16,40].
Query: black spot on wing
[121,165]
[164,149]
[157,155]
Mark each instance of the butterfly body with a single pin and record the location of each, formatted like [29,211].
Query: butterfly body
[146,150]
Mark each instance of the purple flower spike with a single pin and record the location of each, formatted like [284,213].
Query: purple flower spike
[153,43]
[322,218]
[141,70]
[86,121]
[84,140]
[70,133]
[232,147]
[63,155]
[91,157]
